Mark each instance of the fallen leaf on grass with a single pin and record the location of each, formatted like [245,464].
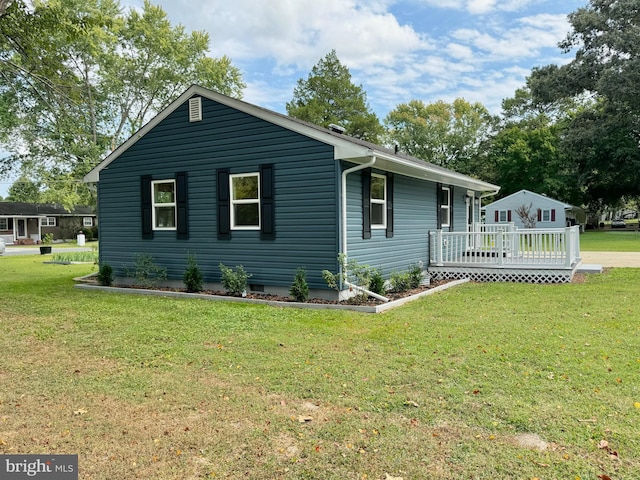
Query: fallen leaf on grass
[603,444]
[604,477]
[411,403]
[304,418]
[80,411]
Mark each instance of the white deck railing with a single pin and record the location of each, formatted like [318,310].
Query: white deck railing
[506,246]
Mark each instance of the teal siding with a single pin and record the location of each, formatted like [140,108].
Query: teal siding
[306,193]
[414,217]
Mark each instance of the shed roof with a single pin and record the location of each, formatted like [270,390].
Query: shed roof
[345,147]
[534,196]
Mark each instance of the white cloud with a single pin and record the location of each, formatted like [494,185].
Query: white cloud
[299,33]
[482,7]
[525,39]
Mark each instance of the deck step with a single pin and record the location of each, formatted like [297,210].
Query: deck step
[589,268]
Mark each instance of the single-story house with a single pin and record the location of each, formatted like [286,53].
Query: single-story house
[23,222]
[546,212]
[233,183]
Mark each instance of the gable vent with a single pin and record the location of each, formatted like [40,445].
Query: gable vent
[195,109]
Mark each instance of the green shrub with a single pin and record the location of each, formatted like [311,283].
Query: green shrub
[364,276]
[415,274]
[400,281]
[234,282]
[299,289]
[376,283]
[192,275]
[146,272]
[105,275]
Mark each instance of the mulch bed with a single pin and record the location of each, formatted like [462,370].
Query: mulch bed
[358,300]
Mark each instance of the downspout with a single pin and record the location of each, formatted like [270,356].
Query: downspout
[343,228]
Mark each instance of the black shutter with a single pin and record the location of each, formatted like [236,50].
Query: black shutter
[451,212]
[366,203]
[146,206]
[389,205]
[182,206]
[224,212]
[439,205]
[267,204]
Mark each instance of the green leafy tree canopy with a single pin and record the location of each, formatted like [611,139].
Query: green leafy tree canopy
[328,96]
[446,134]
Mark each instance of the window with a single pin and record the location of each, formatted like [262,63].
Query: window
[445,207]
[245,201]
[546,215]
[378,201]
[87,222]
[48,222]
[164,204]
[4,224]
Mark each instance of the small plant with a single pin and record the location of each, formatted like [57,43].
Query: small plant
[47,239]
[335,279]
[105,275]
[376,283]
[234,281]
[400,281]
[415,275]
[299,288]
[353,272]
[146,272]
[192,275]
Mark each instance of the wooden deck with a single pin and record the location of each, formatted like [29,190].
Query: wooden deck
[504,253]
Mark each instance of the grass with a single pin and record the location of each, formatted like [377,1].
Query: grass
[181,389]
[610,241]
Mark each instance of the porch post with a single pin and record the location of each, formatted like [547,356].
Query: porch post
[500,247]
[439,248]
[568,246]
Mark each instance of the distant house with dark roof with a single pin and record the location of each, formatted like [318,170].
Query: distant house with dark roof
[23,222]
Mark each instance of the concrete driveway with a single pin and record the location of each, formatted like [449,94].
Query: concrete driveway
[612,259]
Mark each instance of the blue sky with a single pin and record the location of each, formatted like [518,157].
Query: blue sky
[398,50]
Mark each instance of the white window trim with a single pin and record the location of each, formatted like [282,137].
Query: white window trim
[548,212]
[87,221]
[506,215]
[248,201]
[154,204]
[446,207]
[47,222]
[383,202]
[5,222]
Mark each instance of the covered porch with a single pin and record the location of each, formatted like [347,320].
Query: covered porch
[504,253]
[21,229]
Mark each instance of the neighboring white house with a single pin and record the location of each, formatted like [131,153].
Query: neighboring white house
[547,212]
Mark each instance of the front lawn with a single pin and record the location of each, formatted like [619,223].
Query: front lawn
[464,384]
[610,241]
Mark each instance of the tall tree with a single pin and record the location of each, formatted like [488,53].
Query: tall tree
[80,76]
[604,137]
[446,134]
[24,190]
[329,96]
